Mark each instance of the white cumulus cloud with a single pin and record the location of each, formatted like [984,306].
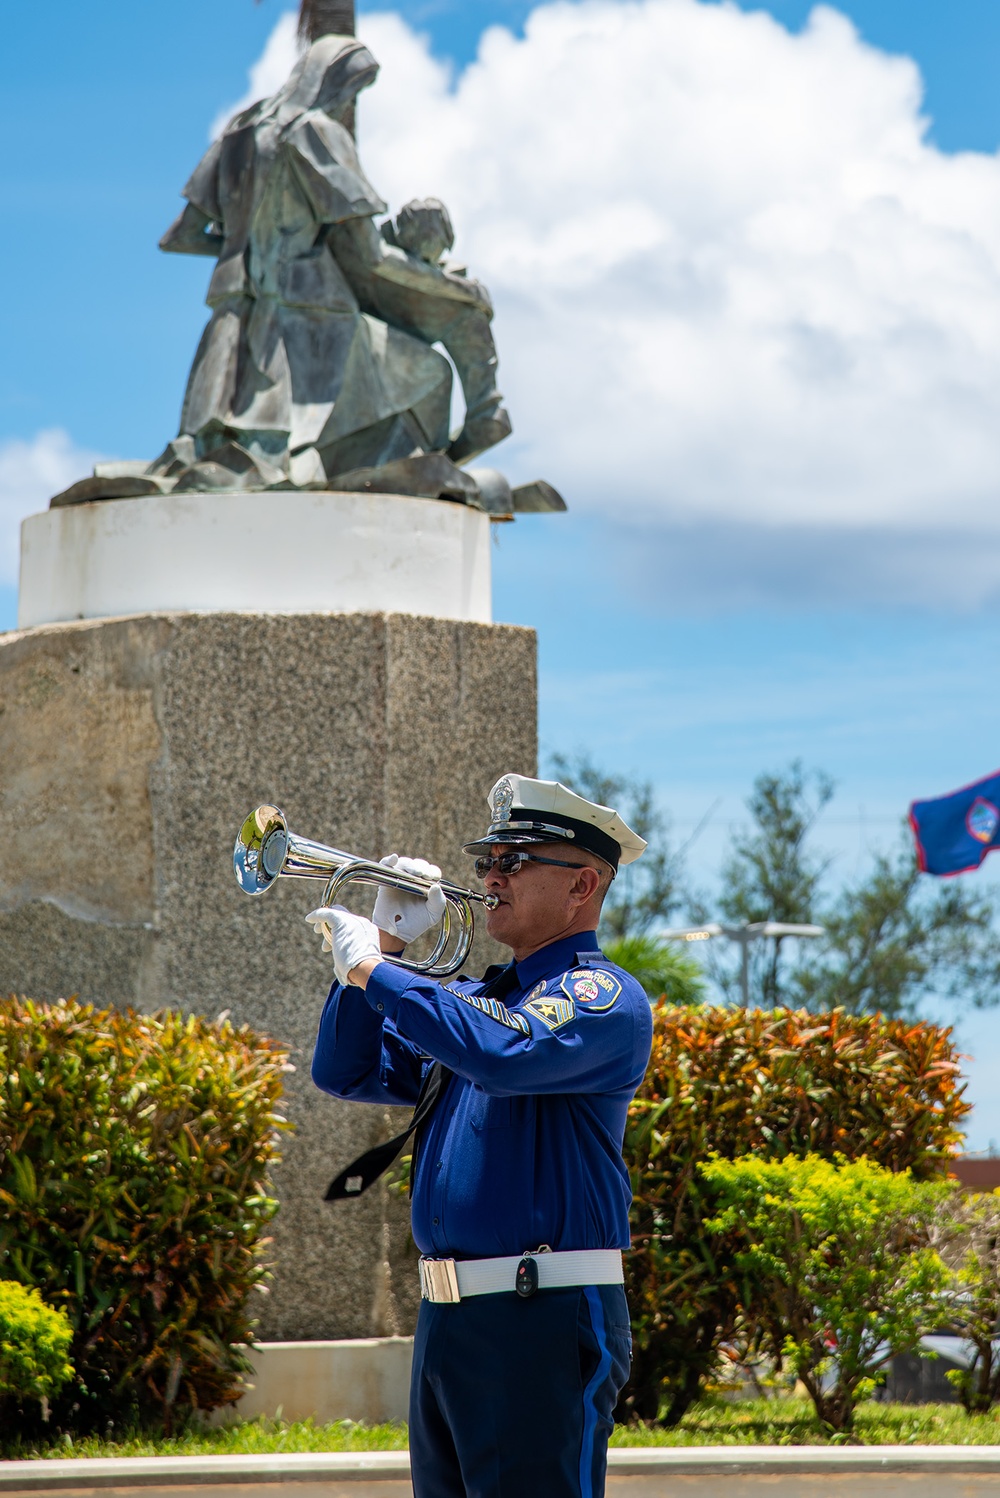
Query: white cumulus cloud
[30,473]
[745,309]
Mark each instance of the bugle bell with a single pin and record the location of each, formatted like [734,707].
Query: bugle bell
[266,850]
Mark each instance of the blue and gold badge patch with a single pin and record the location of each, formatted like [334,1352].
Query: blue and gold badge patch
[553,1012]
[591,988]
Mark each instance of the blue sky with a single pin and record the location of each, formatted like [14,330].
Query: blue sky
[644,660]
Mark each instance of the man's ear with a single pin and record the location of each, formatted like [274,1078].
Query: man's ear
[586,884]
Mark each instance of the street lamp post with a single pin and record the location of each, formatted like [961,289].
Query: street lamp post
[752,931]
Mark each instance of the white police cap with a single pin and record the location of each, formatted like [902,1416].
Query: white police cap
[545,811]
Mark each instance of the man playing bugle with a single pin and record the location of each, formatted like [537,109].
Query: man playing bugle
[521,1081]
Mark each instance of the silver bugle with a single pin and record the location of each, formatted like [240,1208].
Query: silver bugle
[266,850]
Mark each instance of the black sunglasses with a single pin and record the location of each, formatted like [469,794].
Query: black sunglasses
[509,863]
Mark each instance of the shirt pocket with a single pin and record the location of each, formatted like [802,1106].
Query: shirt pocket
[490,1112]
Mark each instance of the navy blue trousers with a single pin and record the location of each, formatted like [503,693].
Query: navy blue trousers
[515,1398]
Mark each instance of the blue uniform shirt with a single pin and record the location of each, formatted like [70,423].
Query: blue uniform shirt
[524,1146]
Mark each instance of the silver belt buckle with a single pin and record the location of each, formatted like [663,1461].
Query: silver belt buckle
[439,1281]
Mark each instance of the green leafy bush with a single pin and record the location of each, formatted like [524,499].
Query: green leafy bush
[968,1238]
[34,1340]
[134,1153]
[737,1082]
[836,1272]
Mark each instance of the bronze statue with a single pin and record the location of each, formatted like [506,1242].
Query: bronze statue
[318,367]
[317,361]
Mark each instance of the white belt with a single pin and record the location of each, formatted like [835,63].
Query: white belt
[446,1280]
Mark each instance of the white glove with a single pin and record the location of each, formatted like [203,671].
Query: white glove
[408,916]
[349,937]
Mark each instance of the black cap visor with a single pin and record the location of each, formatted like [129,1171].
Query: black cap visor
[549,827]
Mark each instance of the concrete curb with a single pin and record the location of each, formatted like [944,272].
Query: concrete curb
[724,1461]
[389,1466]
[189,1471]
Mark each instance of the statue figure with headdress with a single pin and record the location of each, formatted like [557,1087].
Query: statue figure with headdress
[327,361]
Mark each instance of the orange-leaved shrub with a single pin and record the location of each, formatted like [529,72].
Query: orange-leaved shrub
[134,1157]
[734,1082]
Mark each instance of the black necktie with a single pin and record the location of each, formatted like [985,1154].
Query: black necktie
[366,1169]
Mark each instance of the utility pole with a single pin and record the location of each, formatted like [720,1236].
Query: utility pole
[324,18]
[321,17]
[753,931]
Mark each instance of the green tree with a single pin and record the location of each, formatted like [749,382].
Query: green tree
[968,1239]
[773,874]
[663,971]
[898,938]
[895,938]
[836,1273]
[647,893]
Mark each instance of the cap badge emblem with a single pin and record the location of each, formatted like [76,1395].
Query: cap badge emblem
[503,800]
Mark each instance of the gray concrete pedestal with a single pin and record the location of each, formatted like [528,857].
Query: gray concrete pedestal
[132,748]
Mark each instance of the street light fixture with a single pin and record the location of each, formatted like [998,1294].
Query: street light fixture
[753,931]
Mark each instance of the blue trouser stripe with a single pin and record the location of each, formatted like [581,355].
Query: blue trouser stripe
[601,1372]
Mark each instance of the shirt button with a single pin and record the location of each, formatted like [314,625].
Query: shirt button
[440,1164]
[380,1008]
[436,1220]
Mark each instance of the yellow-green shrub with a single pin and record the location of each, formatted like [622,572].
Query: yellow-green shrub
[968,1238]
[837,1275]
[34,1340]
[134,1153]
[739,1082]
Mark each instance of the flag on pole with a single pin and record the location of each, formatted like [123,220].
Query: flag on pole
[954,833]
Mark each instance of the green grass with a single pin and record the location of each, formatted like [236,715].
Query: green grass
[250,1438]
[759,1422]
[792,1422]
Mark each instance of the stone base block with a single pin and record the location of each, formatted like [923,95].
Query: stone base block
[133,748]
[366,1379]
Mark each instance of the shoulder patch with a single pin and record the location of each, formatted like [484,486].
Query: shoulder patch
[493,1008]
[553,1012]
[591,988]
